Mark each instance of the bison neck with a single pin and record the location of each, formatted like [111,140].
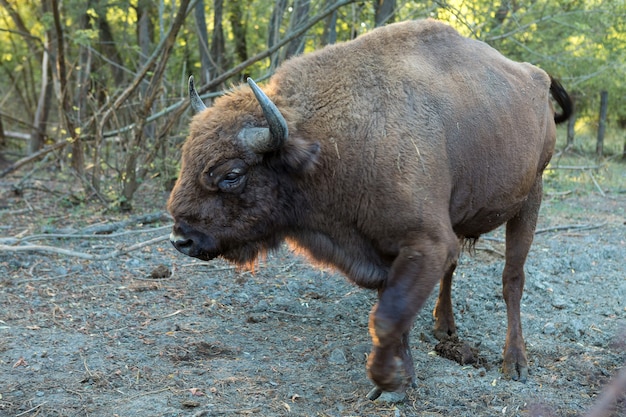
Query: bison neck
[345,250]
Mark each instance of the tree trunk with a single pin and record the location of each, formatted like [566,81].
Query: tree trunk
[38,132]
[145,39]
[300,15]
[3,161]
[65,107]
[604,104]
[238,25]
[329,36]
[203,42]
[108,47]
[144,29]
[217,40]
[571,124]
[384,12]
[274,31]
[41,114]
[83,75]
[3,139]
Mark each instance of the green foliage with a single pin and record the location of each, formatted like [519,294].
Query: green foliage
[85,37]
[582,42]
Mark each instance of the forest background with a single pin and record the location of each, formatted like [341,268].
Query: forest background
[95,92]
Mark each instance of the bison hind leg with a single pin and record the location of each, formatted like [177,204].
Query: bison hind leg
[520,231]
[445,326]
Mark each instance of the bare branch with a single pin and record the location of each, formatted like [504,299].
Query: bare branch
[82,255]
[20,163]
[600,190]
[570,227]
[552,229]
[582,167]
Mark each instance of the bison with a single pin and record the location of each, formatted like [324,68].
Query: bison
[379,156]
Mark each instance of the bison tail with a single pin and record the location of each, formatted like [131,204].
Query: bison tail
[562,98]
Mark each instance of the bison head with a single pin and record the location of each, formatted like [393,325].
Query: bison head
[240,175]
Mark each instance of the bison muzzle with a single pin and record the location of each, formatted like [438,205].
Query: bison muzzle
[378,156]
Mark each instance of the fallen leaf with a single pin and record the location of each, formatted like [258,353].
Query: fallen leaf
[196,392]
[20,362]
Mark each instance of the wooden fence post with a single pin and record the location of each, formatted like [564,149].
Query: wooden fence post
[571,123]
[604,103]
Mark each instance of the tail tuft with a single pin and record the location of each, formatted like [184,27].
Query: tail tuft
[560,95]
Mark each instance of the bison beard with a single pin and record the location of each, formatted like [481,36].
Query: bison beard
[378,156]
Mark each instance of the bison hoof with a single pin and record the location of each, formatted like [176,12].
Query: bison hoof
[388,372]
[516,372]
[376,394]
[444,334]
[515,365]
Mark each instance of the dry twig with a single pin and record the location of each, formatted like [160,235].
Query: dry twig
[551,229]
[30,409]
[83,255]
[573,167]
[570,227]
[596,183]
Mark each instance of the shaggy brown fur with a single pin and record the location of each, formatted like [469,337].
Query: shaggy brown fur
[401,143]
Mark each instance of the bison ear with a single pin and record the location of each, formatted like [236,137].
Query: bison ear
[299,156]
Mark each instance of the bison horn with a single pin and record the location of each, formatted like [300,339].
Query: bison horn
[196,102]
[260,140]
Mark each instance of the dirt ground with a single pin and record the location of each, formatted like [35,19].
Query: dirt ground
[153,333]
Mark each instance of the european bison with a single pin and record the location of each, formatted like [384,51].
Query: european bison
[378,156]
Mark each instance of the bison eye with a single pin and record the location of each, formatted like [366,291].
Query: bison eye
[232,180]
[229,176]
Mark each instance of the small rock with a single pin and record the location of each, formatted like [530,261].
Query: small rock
[190,404]
[59,270]
[581,263]
[549,328]
[559,303]
[283,303]
[337,357]
[256,318]
[134,263]
[574,330]
[261,306]
[392,397]
[161,271]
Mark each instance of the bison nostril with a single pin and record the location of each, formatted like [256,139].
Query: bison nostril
[182,244]
[192,243]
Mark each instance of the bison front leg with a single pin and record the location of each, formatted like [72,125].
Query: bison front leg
[406,373]
[412,278]
[520,231]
